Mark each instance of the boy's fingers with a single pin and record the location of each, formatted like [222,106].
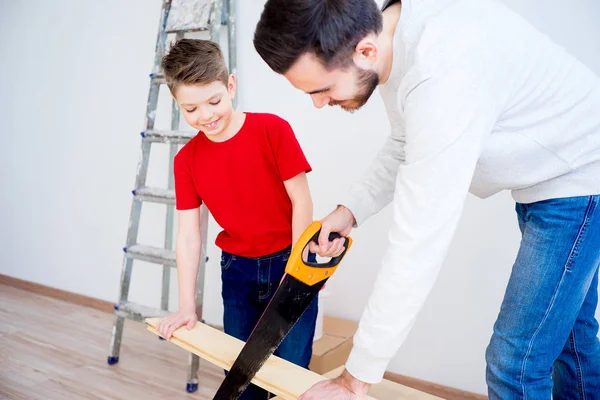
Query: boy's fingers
[163,327]
[170,332]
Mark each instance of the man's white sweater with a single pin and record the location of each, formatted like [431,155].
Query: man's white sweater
[478,100]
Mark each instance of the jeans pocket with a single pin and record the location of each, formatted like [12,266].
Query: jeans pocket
[581,235]
[226,260]
[286,257]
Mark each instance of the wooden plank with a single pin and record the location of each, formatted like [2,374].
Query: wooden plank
[385,390]
[278,376]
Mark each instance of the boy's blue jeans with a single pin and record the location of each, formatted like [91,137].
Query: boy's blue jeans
[545,342]
[248,286]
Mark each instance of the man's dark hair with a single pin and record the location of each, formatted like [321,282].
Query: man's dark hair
[330,29]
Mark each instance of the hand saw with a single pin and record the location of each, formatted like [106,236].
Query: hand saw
[301,284]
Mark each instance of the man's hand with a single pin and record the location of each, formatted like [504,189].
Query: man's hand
[341,221]
[345,387]
[170,324]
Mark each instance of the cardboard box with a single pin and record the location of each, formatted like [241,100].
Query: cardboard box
[333,349]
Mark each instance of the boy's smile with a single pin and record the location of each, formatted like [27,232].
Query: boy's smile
[209,109]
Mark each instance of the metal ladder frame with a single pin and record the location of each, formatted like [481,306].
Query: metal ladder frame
[222,12]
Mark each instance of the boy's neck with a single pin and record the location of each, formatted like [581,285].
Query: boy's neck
[235,124]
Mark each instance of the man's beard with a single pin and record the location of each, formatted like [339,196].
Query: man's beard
[367,81]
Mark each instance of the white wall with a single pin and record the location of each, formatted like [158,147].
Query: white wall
[73,87]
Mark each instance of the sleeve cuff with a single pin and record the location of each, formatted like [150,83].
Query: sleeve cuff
[366,368]
[359,209]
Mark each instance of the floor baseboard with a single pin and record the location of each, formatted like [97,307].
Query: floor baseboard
[59,294]
[445,392]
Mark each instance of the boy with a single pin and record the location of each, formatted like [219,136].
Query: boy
[250,171]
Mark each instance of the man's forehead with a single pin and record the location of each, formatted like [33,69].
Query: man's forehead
[309,74]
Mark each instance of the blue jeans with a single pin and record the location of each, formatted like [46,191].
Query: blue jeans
[545,342]
[248,286]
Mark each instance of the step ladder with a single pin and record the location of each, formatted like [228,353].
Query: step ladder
[177,18]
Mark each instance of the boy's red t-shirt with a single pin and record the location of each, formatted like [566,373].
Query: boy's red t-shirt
[241,182]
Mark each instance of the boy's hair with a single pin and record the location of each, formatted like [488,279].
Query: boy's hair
[194,62]
[330,29]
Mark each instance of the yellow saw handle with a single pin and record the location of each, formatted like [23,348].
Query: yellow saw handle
[308,272]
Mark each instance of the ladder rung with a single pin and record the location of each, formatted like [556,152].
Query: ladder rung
[189,16]
[158,78]
[190,29]
[138,312]
[151,254]
[174,137]
[155,195]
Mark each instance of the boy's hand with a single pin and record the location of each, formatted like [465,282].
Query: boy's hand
[170,324]
[341,221]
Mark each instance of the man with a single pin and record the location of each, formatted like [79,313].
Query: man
[479,101]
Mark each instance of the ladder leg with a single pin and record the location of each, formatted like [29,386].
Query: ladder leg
[166,278]
[117,330]
[194,361]
[115,341]
[230,9]
[166,283]
[193,367]
[203,260]
[170,216]
[215,20]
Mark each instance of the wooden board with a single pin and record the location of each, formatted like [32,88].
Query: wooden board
[278,376]
[222,350]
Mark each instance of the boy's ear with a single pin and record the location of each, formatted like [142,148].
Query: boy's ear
[231,85]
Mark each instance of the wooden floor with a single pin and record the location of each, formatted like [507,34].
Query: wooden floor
[51,349]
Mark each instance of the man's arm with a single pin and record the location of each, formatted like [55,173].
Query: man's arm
[367,197]
[375,189]
[447,119]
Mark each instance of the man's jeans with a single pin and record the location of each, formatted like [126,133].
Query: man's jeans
[545,342]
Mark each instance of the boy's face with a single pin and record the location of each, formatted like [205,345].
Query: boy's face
[207,108]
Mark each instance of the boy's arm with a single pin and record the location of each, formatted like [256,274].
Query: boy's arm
[188,256]
[302,206]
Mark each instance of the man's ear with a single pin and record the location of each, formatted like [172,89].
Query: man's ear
[366,52]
